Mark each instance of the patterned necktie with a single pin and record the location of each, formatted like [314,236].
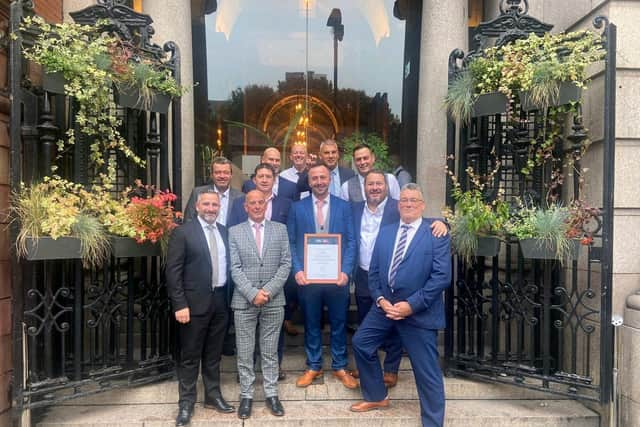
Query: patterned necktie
[257,226]
[319,215]
[334,188]
[213,252]
[398,255]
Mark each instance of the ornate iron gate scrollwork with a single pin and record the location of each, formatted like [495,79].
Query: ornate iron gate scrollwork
[80,331]
[524,322]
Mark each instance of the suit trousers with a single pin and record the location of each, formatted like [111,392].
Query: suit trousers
[313,298]
[392,345]
[268,320]
[201,343]
[422,346]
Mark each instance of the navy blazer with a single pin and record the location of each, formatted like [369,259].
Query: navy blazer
[301,220]
[188,268]
[286,188]
[389,216]
[279,211]
[423,274]
[303,181]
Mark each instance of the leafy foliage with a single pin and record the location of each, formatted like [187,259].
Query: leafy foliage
[377,144]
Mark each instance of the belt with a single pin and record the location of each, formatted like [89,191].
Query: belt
[218,289]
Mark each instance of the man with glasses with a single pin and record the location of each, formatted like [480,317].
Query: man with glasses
[409,271]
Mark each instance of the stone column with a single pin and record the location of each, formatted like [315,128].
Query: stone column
[444,28]
[172,22]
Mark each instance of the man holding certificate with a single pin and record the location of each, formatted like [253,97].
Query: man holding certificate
[321,233]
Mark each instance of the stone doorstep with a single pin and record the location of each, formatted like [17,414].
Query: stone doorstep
[459,413]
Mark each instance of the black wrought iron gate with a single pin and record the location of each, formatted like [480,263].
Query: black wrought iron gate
[535,324]
[78,332]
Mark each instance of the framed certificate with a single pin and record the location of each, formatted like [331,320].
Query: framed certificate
[322,257]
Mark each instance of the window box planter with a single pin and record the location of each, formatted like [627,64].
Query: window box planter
[126,247]
[544,249]
[569,92]
[489,104]
[54,82]
[129,96]
[45,247]
[488,246]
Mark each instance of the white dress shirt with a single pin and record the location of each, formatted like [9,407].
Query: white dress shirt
[334,187]
[222,253]
[411,232]
[325,210]
[392,184]
[369,228]
[269,211]
[224,205]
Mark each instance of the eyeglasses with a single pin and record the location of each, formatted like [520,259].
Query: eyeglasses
[412,200]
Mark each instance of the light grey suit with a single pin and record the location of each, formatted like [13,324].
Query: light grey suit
[250,272]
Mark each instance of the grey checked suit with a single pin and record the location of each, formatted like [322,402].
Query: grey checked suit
[250,272]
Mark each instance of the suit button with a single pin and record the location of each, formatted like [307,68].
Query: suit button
[261,265]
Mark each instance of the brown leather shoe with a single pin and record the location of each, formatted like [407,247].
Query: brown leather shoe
[347,380]
[365,406]
[307,378]
[390,379]
[290,328]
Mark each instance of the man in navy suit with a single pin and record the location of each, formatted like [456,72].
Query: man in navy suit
[282,187]
[329,154]
[197,271]
[408,273]
[323,213]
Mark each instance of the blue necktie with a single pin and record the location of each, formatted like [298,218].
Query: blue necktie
[334,189]
[397,256]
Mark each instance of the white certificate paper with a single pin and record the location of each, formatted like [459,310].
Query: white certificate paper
[322,257]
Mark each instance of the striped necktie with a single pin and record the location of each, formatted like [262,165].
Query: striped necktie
[398,255]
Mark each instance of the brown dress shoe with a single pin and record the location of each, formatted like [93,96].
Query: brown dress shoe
[347,380]
[365,406]
[307,378]
[390,379]
[290,328]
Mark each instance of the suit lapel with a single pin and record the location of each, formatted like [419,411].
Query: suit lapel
[308,211]
[199,233]
[421,233]
[268,235]
[333,213]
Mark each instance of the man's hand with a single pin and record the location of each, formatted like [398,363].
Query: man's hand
[261,298]
[343,279]
[439,229]
[397,311]
[300,279]
[182,316]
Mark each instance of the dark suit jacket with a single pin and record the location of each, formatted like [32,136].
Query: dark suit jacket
[345,175]
[301,220]
[423,274]
[188,267]
[279,211]
[389,216]
[190,211]
[286,188]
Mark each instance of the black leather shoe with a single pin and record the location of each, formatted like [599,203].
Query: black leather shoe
[219,404]
[274,405]
[282,376]
[244,409]
[184,415]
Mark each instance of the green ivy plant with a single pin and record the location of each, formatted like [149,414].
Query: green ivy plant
[92,61]
[474,216]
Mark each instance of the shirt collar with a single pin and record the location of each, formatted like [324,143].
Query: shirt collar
[205,224]
[223,193]
[252,222]
[314,198]
[380,207]
[414,225]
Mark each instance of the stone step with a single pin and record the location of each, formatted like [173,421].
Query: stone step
[402,413]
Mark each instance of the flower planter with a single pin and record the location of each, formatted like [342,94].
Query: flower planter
[45,247]
[488,246]
[129,96]
[126,247]
[489,104]
[569,92]
[544,249]
[54,82]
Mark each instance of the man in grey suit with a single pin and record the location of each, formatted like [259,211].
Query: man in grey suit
[221,172]
[260,265]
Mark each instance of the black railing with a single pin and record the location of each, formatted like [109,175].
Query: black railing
[533,323]
[78,331]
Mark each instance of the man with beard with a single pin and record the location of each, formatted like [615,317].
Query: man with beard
[329,154]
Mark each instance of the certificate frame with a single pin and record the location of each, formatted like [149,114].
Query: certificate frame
[316,244]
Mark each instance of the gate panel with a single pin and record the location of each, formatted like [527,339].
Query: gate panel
[533,323]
